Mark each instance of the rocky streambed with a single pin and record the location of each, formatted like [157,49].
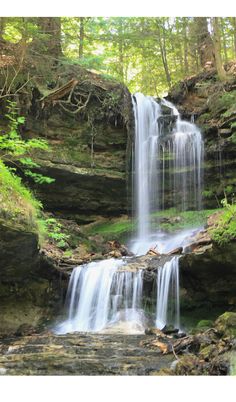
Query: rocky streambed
[210,351]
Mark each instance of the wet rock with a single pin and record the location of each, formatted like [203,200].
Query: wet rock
[154,331]
[81,354]
[225,132]
[189,365]
[177,250]
[226,324]
[25,329]
[118,249]
[209,279]
[169,329]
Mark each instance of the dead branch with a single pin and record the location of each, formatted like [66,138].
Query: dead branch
[58,93]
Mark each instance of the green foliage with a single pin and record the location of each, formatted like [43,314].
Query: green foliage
[39,178]
[17,203]
[53,230]
[126,48]
[208,193]
[14,148]
[225,228]
[223,103]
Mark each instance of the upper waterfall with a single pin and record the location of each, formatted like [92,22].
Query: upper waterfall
[163,156]
[146,113]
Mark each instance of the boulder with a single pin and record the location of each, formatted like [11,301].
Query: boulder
[226,324]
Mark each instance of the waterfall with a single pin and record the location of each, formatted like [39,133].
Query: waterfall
[168,306]
[101,294]
[146,163]
[105,294]
[184,145]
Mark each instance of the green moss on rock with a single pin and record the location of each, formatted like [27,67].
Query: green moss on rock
[226,324]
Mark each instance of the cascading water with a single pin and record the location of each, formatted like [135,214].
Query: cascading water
[102,294]
[187,148]
[146,113]
[184,163]
[168,310]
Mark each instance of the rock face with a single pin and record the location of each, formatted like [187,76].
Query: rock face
[90,143]
[29,291]
[208,279]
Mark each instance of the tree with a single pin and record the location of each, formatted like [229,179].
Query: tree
[205,45]
[217,49]
[233,21]
[185,44]
[81,37]
[2,26]
[161,35]
[50,30]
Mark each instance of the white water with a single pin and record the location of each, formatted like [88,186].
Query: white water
[146,113]
[102,295]
[184,171]
[168,306]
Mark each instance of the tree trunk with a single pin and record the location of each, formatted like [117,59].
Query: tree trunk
[2,25]
[81,37]
[217,47]
[223,40]
[204,42]
[162,45]
[50,28]
[121,50]
[185,37]
[233,19]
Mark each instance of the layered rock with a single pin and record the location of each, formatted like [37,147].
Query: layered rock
[30,292]
[87,121]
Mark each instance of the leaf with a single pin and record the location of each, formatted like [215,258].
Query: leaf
[29,162]
[20,119]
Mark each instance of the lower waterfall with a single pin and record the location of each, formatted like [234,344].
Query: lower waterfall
[168,309]
[102,295]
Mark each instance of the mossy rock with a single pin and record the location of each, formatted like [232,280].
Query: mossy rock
[208,352]
[204,324]
[226,324]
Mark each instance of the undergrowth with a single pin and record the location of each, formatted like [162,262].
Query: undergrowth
[17,203]
[225,228]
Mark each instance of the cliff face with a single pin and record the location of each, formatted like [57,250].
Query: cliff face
[212,105]
[29,291]
[87,121]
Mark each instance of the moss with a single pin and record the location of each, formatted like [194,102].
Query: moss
[205,117]
[205,324]
[226,324]
[206,352]
[221,103]
[18,207]
[121,228]
[233,138]
[224,229]
[116,228]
